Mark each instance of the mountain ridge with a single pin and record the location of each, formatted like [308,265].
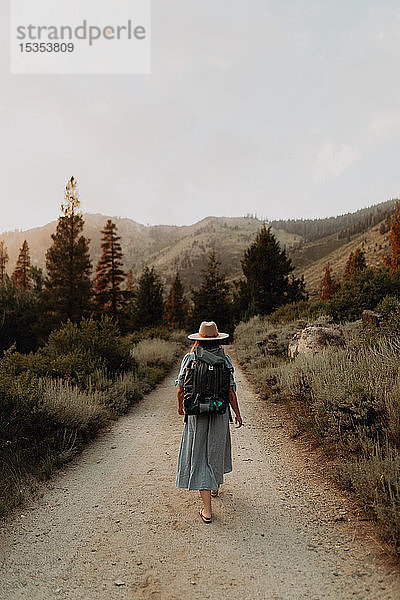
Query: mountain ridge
[185,248]
[156,245]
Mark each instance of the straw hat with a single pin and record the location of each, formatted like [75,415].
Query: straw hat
[208,331]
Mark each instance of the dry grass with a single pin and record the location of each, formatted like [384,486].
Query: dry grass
[70,406]
[45,420]
[155,352]
[348,399]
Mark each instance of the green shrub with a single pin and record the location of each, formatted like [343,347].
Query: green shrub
[99,342]
[20,311]
[75,351]
[363,291]
[388,306]
[298,310]
[260,347]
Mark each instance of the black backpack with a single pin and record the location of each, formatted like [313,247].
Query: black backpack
[206,383]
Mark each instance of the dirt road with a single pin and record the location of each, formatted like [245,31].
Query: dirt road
[113,525]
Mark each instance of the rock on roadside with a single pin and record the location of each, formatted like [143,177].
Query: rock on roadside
[313,339]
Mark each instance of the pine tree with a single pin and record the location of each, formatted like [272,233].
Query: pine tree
[393,260]
[37,279]
[329,286]
[109,274]
[211,300]
[176,306]
[3,260]
[22,273]
[359,260]
[148,305]
[267,270]
[356,262]
[68,288]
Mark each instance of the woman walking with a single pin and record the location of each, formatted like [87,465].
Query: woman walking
[205,453]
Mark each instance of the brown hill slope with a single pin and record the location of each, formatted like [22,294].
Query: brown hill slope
[229,237]
[312,259]
[186,248]
[169,248]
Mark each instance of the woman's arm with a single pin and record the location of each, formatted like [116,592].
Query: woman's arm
[179,381]
[179,395]
[235,406]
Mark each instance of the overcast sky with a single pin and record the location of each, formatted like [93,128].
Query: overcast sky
[284,108]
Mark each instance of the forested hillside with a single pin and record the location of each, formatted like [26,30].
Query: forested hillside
[344,225]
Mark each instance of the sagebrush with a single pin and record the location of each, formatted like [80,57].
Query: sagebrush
[348,399]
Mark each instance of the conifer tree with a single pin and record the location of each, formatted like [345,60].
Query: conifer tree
[68,288]
[3,260]
[329,286]
[356,262]
[211,300]
[109,273]
[176,306]
[268,272]
[37,279]
[393,260]
[22,272]
[148,305]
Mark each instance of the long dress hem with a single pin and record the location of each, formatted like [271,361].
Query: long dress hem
[205,454]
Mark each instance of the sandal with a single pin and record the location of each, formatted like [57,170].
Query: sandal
[204,519]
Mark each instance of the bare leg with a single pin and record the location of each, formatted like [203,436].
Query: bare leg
[206,497]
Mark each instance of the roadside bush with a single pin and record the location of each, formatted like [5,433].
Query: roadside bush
[162,332]
[376,480]
[344,405]
[54,400]
[389,306]
[42,424]
[98,342]
[70,407]
[121,392]
[75,351]
[260,347]
[298,310]
[348,399]
[155,352]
